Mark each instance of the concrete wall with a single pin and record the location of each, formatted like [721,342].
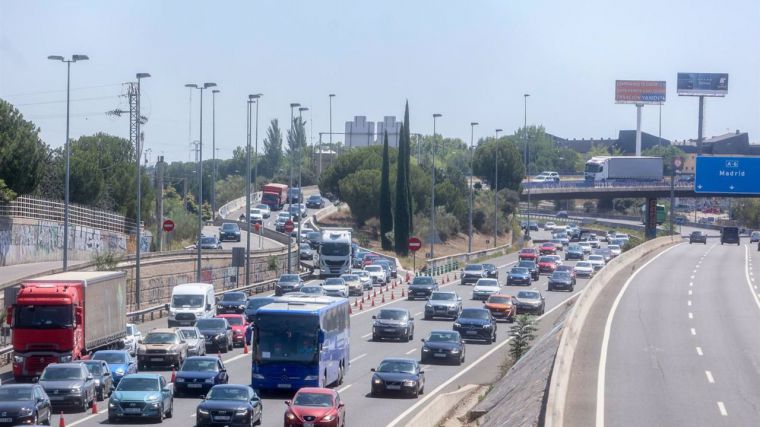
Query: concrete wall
[24,240]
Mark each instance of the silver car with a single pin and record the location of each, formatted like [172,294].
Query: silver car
[364,278]
[196,345]
[443,304]
[133,338]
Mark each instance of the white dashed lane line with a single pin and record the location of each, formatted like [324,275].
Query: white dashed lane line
[722,409]
[693,331]
[411,351]
[710,378]
[357,358]
[691,315]
[699,351]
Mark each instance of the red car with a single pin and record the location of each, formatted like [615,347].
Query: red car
[568,268]
[318,407]
[239,324]
[547,248]
[546,265]
[369,259]
[529,254]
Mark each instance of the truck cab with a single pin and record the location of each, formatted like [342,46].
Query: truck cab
[190,302]
[335,252]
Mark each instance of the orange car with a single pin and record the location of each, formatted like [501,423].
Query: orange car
[502,306]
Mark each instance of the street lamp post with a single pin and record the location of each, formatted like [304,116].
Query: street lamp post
[472,153]
[300,188]
[138,151]
[74,58]
[527,153]
[256,98]
[248,190]
[213,152]
[287,195]
[496,188]
[200,175]
[433,232]
[319,175]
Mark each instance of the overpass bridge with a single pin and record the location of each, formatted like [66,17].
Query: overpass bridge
[569,190]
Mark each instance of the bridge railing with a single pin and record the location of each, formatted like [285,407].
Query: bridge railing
[603,184]
[52,210]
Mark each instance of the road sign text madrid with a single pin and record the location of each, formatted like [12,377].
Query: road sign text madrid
[728,175]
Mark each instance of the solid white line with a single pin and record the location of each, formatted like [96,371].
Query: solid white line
[746,275]
[691,315]
[710,378]
[367,335]
[722,409]
[693,331]
[699,351]
[456,376]
[411,351]
[342,389]
[357,358]
[602,371]
[89,417]
[232,359]
[419,314]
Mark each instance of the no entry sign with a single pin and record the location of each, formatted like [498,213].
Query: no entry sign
[414,244]
[168,225]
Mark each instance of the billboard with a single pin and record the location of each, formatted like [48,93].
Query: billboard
[702,84]
[639,92]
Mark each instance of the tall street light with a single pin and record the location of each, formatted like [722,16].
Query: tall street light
[200,175]
[472,153]
[319,175]
[248,189]
[74,58]
[290,185]
[496,189]
[255,97]
[433,232]
[138,152]
[300,188]
[213,152]
[527,152]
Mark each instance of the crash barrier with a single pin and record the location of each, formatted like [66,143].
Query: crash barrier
[450,263]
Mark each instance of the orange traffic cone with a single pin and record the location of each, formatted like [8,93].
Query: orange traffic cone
[356,302]
[383,300]
[61,422]
[407,276]
[245,344]
[350,311]
[374,292]
[392,296]
[94,408]
[373,302]
[174,375]
[361,306]
[402,292]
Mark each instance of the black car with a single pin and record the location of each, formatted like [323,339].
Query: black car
[198,374]
[315,201]
[476,324]
[314,238]
[210,242]
[491,271]
[229,231]
[444,346]
[421,287]
[519,276]
[472,273]
[399,376]
[217,333]
[561,280]
[574,252]
[229,404]
[698,237]
[531,266]
[393,323]
[69,384]
[295,195]
[530,301]
[288,283]
[231,302]
[24,404]
[730,235]
[101,374]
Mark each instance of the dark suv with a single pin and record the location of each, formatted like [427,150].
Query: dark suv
[697,237]
[476,324]
[229,231]
[69,384]
[729,235]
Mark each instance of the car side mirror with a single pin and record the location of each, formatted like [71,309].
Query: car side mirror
[374,317]
[35,379]
[372,370]
[107,374]
[166,306]
[287,402]
[341,404]
[89,377]
[229,328]
[422,372]
[423,339]
[208,307]
[203,397]
[411,319]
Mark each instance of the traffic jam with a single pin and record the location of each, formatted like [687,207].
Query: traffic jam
[223,357]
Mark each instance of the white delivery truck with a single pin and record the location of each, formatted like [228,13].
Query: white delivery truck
[335,252]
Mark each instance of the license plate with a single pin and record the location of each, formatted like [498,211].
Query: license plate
[195,385]
[283,385]
[56,397]
[308,424]
[470,332]
[419,293]
[6,420]
[393,387]
[222,417]
[439,355]
[156,359]
[389,330]
[132,410]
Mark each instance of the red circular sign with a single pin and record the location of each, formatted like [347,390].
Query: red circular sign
[414,244]
[289,226]
[168,225]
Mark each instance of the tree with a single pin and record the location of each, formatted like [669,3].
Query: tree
[360,191]
[386,214]
[272,158]
[362,158]
[229,189]
[22,152]
[511,170]
[6,194]
[296,144]
[668,153]
[523,332]
[401,231]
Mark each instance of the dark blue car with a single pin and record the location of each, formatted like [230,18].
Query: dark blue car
[519,276]
[231,302]
[476,324]
[229,405]
[120,363]
[443,346]
[198,374]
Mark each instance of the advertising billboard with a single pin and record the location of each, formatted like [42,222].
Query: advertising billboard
[702,84]
[639,92]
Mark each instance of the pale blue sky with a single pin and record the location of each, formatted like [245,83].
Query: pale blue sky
[468,60]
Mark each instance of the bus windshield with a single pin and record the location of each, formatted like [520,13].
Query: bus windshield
[287,338]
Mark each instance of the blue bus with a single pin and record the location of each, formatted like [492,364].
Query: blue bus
[300,341]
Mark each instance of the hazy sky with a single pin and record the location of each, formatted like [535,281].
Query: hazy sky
[468,60]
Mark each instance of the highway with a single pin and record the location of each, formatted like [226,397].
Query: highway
[366,354]
[683,347]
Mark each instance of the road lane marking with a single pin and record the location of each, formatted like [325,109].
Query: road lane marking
[418,314]
[746,275]
[232,359]
[688,303]
[87,418]
[722,409]
[699,351]
[695,271]
[344,388]
[602,370]
[691,315]
[693,331]
[366,335]
[710,378]
[692,277]
[691,283]
[357,358]
[689,292]
[456,376]
[411,351]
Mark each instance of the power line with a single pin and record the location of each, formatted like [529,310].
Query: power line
[63,100]
[63,90]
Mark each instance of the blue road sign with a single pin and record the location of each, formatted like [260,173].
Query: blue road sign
[727,175]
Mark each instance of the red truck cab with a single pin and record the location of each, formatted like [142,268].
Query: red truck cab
[274,195]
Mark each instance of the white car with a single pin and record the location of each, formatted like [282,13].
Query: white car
[551,174]
[364,278]
[377,273]
[584,269]
[614,250]
[335,287]
[354,284]
[542,179]
[133,338]
[622,236]
[586,247]
[549,226]
[597,261]
[266,211]
[557,259]
[484,288]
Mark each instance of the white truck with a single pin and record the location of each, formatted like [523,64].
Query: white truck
[618,168]
[335,252]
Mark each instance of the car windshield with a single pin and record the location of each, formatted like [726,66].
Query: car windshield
[335,249]
[334,281]
[396,366]
[200,365]
[227,393]
[313,235]
[473,267]
[289,278]
[190,301]
[583,265]
[349,277]
[474,313]
[138,384]
[527,251]
[112,358]
[319,400]
[546,259]
[210,324]
[423,281]
[61,373]
[189,334]
[445,296]
[10,394]
[528,295]
[234,321]
[262,207]
[393,315]
[487,282]
[131,330]
[208,240]
[311,289]
[443,336]
[527,264]
[234,296]
[596,258]
[373,268]
[519,270]
[613,247]
[94,368]
[315,197]
[160,338]
[229,227]
[560,275]
[499,300]
[256,303]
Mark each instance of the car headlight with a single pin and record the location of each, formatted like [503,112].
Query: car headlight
[241,411]
[290,416]
[425,349]
[25,412]
[486,326]
[151,398]
[377,381]
[18,359]
[202,411]
[76,389]
[209,381]
[112,403]
[410,382]
[120,371]
[457,325]
[179,380]
[328,418]
[65,359]
[311,378]
[455,350]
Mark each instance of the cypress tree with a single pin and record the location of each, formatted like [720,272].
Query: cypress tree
[401,209]
[386,214]
[407,156]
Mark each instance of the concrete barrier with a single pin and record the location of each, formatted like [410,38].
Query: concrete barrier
[440,406]
[576,320]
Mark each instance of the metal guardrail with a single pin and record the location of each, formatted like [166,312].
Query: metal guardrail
[663,184]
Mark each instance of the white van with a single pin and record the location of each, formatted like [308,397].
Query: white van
[190,302]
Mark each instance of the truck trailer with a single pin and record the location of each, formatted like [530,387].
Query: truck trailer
[64,317]
[612,168]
